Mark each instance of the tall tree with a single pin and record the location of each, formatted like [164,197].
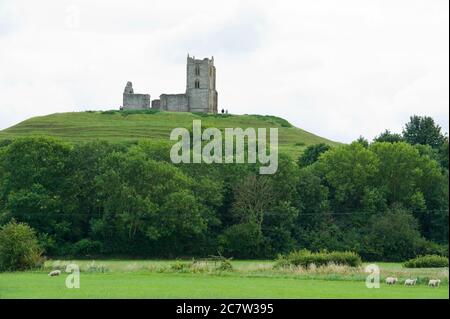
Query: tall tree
[423,130]
[253,197]
[348,172]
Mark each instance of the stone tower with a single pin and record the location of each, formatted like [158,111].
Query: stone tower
[201,85]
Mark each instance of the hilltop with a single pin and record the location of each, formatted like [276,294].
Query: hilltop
[131,126]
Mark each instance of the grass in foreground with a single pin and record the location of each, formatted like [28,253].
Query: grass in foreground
[250,279]
[155,285]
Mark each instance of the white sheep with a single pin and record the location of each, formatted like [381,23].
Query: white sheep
[434,282]
[55,273]
[391,280]
[410,282]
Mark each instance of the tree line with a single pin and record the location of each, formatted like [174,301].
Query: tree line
[385,200]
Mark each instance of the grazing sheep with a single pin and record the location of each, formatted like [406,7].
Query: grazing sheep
[434,282]
[410,282]
[55,273]
[391,280]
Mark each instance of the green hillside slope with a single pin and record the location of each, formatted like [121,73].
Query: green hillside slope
[130,126]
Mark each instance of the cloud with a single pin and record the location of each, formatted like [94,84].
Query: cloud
[239,34]
[338,69]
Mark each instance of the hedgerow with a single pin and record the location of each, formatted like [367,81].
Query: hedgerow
[306,258]
[428,261]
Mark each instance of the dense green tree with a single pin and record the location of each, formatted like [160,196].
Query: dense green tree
[311,154]
[416,181]
[135,191]
[5,142]
[85,161]
[393,235]
[36,188]
[423,130]
[348,172]
[241,240]
[180,216]
[399,170]
[443,154]
[253,197]
[284,182]
[32,161]
[388,136]
[279,218]
[278,229]
[313,203]
[363,141]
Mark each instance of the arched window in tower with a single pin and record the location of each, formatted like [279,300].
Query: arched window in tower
[197,70]
[197,84]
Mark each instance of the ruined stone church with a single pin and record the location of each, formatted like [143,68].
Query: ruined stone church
[200,96]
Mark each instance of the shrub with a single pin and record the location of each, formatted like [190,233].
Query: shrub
[305,258]
[19,247]
[282,262]
[180,266]
[428,261]
[225,265]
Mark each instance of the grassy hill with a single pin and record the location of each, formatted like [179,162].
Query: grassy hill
[131,126]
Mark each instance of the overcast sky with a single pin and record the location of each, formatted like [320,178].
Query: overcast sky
[339,69]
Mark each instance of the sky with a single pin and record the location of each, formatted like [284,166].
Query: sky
[339,69]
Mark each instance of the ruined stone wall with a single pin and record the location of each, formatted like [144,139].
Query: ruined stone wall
[174,102]
[136,101]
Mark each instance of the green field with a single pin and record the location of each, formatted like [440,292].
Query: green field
[249,279]
[128,128]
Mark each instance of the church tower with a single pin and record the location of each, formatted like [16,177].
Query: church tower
[201,85]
